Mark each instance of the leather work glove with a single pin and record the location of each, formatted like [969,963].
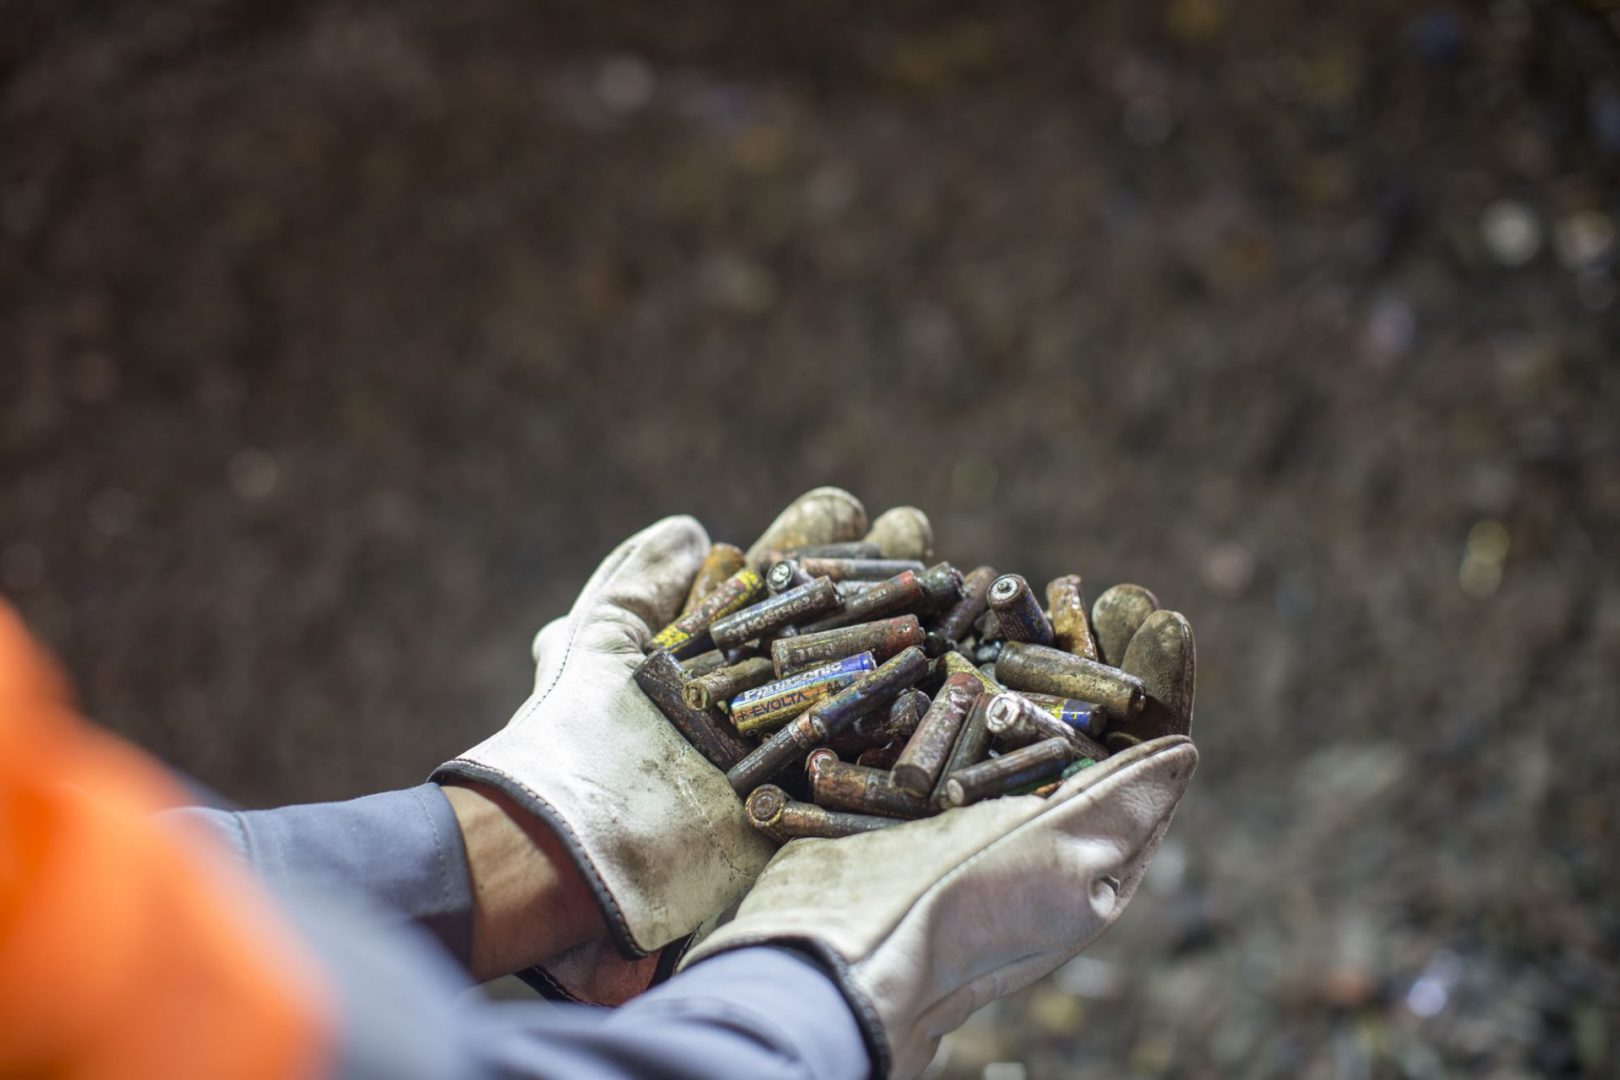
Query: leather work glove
[657,833]
[923,923]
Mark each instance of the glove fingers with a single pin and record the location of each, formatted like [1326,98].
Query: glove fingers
[824,515]
[639,587]
[902,532]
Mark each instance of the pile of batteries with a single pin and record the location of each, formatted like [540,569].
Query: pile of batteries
[850,686]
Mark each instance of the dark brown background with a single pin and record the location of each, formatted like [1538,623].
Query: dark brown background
[338,341]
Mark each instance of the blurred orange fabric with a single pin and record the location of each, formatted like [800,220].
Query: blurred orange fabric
[128,948]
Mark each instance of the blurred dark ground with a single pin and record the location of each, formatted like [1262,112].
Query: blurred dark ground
[338,341]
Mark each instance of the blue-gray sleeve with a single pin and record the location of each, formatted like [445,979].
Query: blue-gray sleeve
[380,890]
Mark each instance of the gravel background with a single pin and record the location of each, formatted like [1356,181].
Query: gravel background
[338,341]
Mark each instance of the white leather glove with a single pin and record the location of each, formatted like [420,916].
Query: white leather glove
[657,832]
[924,922]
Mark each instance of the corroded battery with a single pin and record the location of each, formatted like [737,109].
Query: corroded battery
[1051,786]
[954,663]
[1018,612]
[902,591]
[862,790]
[827,718]
[1007,773]
[1083,716]
[1022,666]
[924,757]
[848,549]
[1016,721]
[958,621]
[772,614]
[689,633]
[941,586]
[780,818]
[972,746]
[784,575]
[721,562]
[880,757]
[883,639]
[725,683]
[901,719]
[1071,623]
[858,569]
[770,705]
[661,679]
[703,663]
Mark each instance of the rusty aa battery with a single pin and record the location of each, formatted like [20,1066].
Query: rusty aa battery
[955,663]
[784,575]
[721,562]
[827,718]
[924,756]
[1083,716]
[941,586]
[880,757]
[1018,612]
[661,679]
[901,591]
[901,719]
[1022,666]
[972,746]
[780,818]
[1016,721]
[975,598]
[862,790]
[774,613]
[883,639]
[688,634]
[1071,625]
[725,683]
[770,705]
[1007,773]
[858,569]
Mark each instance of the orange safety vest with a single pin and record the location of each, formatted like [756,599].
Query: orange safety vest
[128,947]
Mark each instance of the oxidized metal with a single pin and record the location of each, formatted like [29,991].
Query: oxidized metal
[1016,721]
[858,569]
[880,757]
[1007,773]
[901,591]
[1116,616]
[924,757]
[721,562]
[662,680]
[769,706]
[941,586]
[1022,666]
[955,663]
[828,718]
[883,639]
[848,549]
[703,663]
[784,575]
[782,819]
[1071,625]
[1043,790]
[862,790]
[726,683]
[972,746]
[688,634]
[1083,716]
[1018,612]
[959,620]
[772,614]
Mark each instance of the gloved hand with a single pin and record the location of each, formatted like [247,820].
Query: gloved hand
[660,837]
[923,923]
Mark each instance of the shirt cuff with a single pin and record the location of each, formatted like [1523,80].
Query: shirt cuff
[400,850]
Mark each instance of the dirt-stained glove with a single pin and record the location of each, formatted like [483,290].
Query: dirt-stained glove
[657,832]
[924,922]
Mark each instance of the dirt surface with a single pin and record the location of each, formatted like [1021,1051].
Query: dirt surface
[338,341]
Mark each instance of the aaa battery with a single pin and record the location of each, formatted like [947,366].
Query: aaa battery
[687,634]
[1018,612]
[1022,666]
[726,683]
[772,704]
[782,819]
[883,639]
[924,757]
[1007,773]
[774,613]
